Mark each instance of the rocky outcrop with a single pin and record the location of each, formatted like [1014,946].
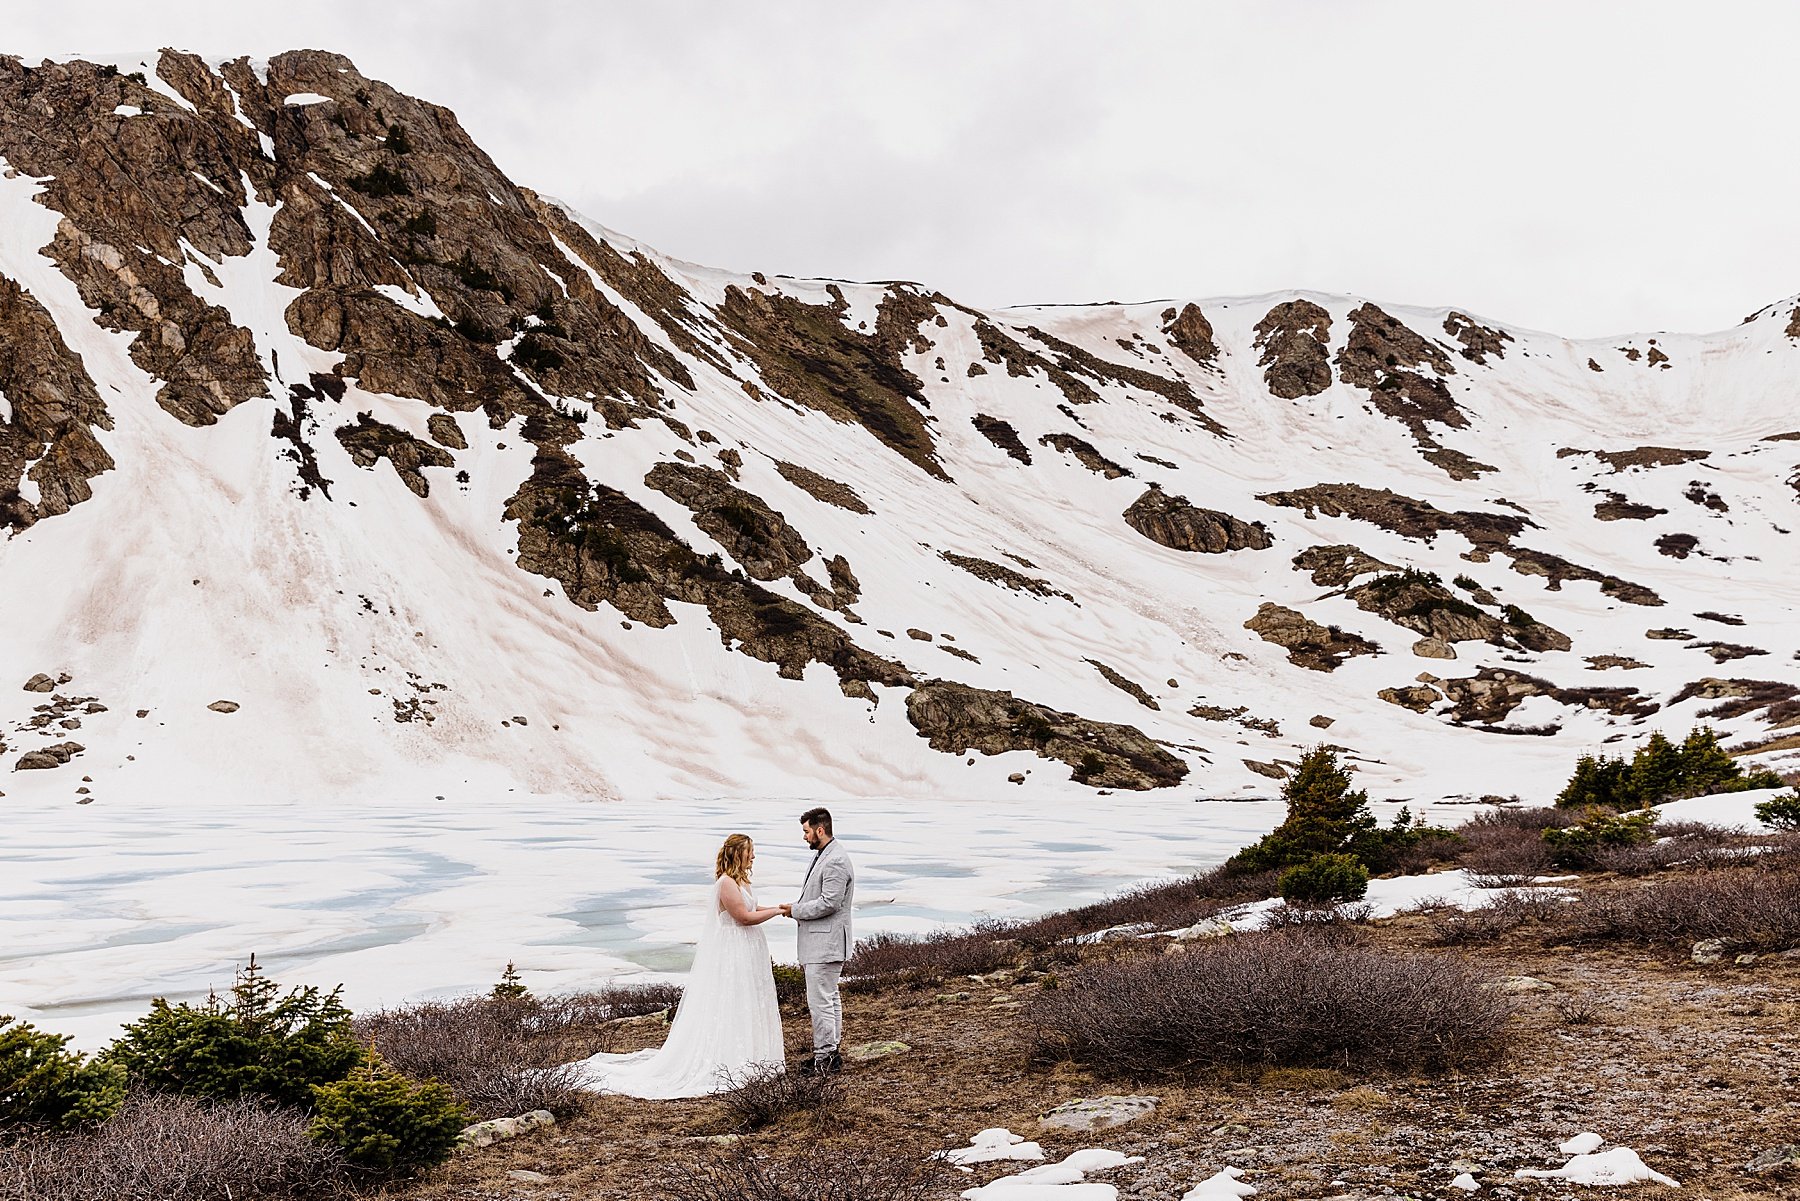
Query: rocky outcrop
[1308,644]
[807,353]
[1073,359]
[1478,341]
[369,441]
[604,547]
[1639,456]
[1403,373]
[823,488]
[49,438]
[1339,565]
[957,718]
[1191,333]
[1420,602]
[1125,684]
[756,536]
[1006,577]
[1492,693]
[1085,454]
[1002,435]
[1172,522]
[1292,338]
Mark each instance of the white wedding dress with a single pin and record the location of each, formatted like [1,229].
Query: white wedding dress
[727,1026]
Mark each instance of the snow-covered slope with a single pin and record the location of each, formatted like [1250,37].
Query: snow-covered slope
[651,529]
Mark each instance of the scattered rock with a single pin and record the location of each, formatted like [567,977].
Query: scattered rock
[37,761]
[1709,950]
[1097,1113]
[486,1134]
[1775,1157]
[1433,648]
[1522,984]
[1746,959]
[527,1176]
[40,683]
[1017,777]
[863,1052]
[1320,721]
[224,706]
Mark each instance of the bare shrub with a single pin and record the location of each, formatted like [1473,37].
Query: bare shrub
[159,1147]
[1341,923]
[982,948]
[1577,1009]
[1508,862]
[1505,912]
[814,1173]
[1678,844]
[763,1096]
[1287,998]
[499,1055]
[1755,906]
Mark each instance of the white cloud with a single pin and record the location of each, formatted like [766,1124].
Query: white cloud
[1584,168]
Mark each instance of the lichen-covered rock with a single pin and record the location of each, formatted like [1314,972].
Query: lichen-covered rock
[1098,1113]
[1172,522]
[958,718]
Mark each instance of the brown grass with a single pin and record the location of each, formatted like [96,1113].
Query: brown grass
[741,1173]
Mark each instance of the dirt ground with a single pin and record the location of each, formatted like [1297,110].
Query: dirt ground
[1697,1068]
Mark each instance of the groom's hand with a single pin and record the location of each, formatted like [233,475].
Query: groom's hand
[787,910]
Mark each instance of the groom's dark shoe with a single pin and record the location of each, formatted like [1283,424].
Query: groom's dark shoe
[830,1064]
[807,1067]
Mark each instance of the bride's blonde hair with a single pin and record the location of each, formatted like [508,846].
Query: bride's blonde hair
[734,859]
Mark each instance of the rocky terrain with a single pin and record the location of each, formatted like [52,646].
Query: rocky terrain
[305,404]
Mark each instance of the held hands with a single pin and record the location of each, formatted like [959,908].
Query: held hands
[786,910]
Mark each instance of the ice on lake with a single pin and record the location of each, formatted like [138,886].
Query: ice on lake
[104,908]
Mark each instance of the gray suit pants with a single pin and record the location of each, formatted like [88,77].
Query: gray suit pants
[826,1006]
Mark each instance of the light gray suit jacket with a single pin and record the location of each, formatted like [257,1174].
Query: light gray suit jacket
[823,910]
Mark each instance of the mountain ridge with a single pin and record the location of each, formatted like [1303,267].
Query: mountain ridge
[1059,508]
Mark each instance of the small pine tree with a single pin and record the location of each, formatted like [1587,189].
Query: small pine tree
[511,986]
[1598,780]
[42,1083]
[1656,770]
[257,1043]
[1579,846]
[1324,816]
[1781,812]
[384,1123]
[1324,880]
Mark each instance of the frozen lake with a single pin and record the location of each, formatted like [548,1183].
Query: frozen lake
[105,907]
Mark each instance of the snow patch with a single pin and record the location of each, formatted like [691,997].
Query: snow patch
[298,99]
[1224,1186]
[1619,1166]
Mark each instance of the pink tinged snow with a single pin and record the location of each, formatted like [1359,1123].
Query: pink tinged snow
[1621,1165]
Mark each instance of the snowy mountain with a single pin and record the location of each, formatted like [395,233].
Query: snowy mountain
[335,463]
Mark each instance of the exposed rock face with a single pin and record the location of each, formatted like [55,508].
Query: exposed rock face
[603,546]
[957,718]
[1420,602]
[1006,577]
[1639,456]
[1003,435]
[445,431]
[1489,533]
[1125,684]
[1478,341]
[55,411]
[824,488]
[1293,338]
[369,440]
[1492,693]
[1338,566]
[758,537]
[809,354]
[1191,333]
[1404,373]
[1172,522]
[1308,644]
[1085,454]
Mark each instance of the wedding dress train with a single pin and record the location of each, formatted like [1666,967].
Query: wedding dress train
[727,1025]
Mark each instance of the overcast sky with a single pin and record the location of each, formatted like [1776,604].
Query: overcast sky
[1588,168]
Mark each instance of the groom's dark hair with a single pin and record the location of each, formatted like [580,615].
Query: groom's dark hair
[818,818]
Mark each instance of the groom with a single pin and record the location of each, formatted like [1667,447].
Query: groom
[823,915]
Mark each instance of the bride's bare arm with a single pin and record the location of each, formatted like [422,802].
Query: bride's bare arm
[731,899]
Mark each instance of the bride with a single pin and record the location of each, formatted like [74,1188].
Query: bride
[728,1024]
